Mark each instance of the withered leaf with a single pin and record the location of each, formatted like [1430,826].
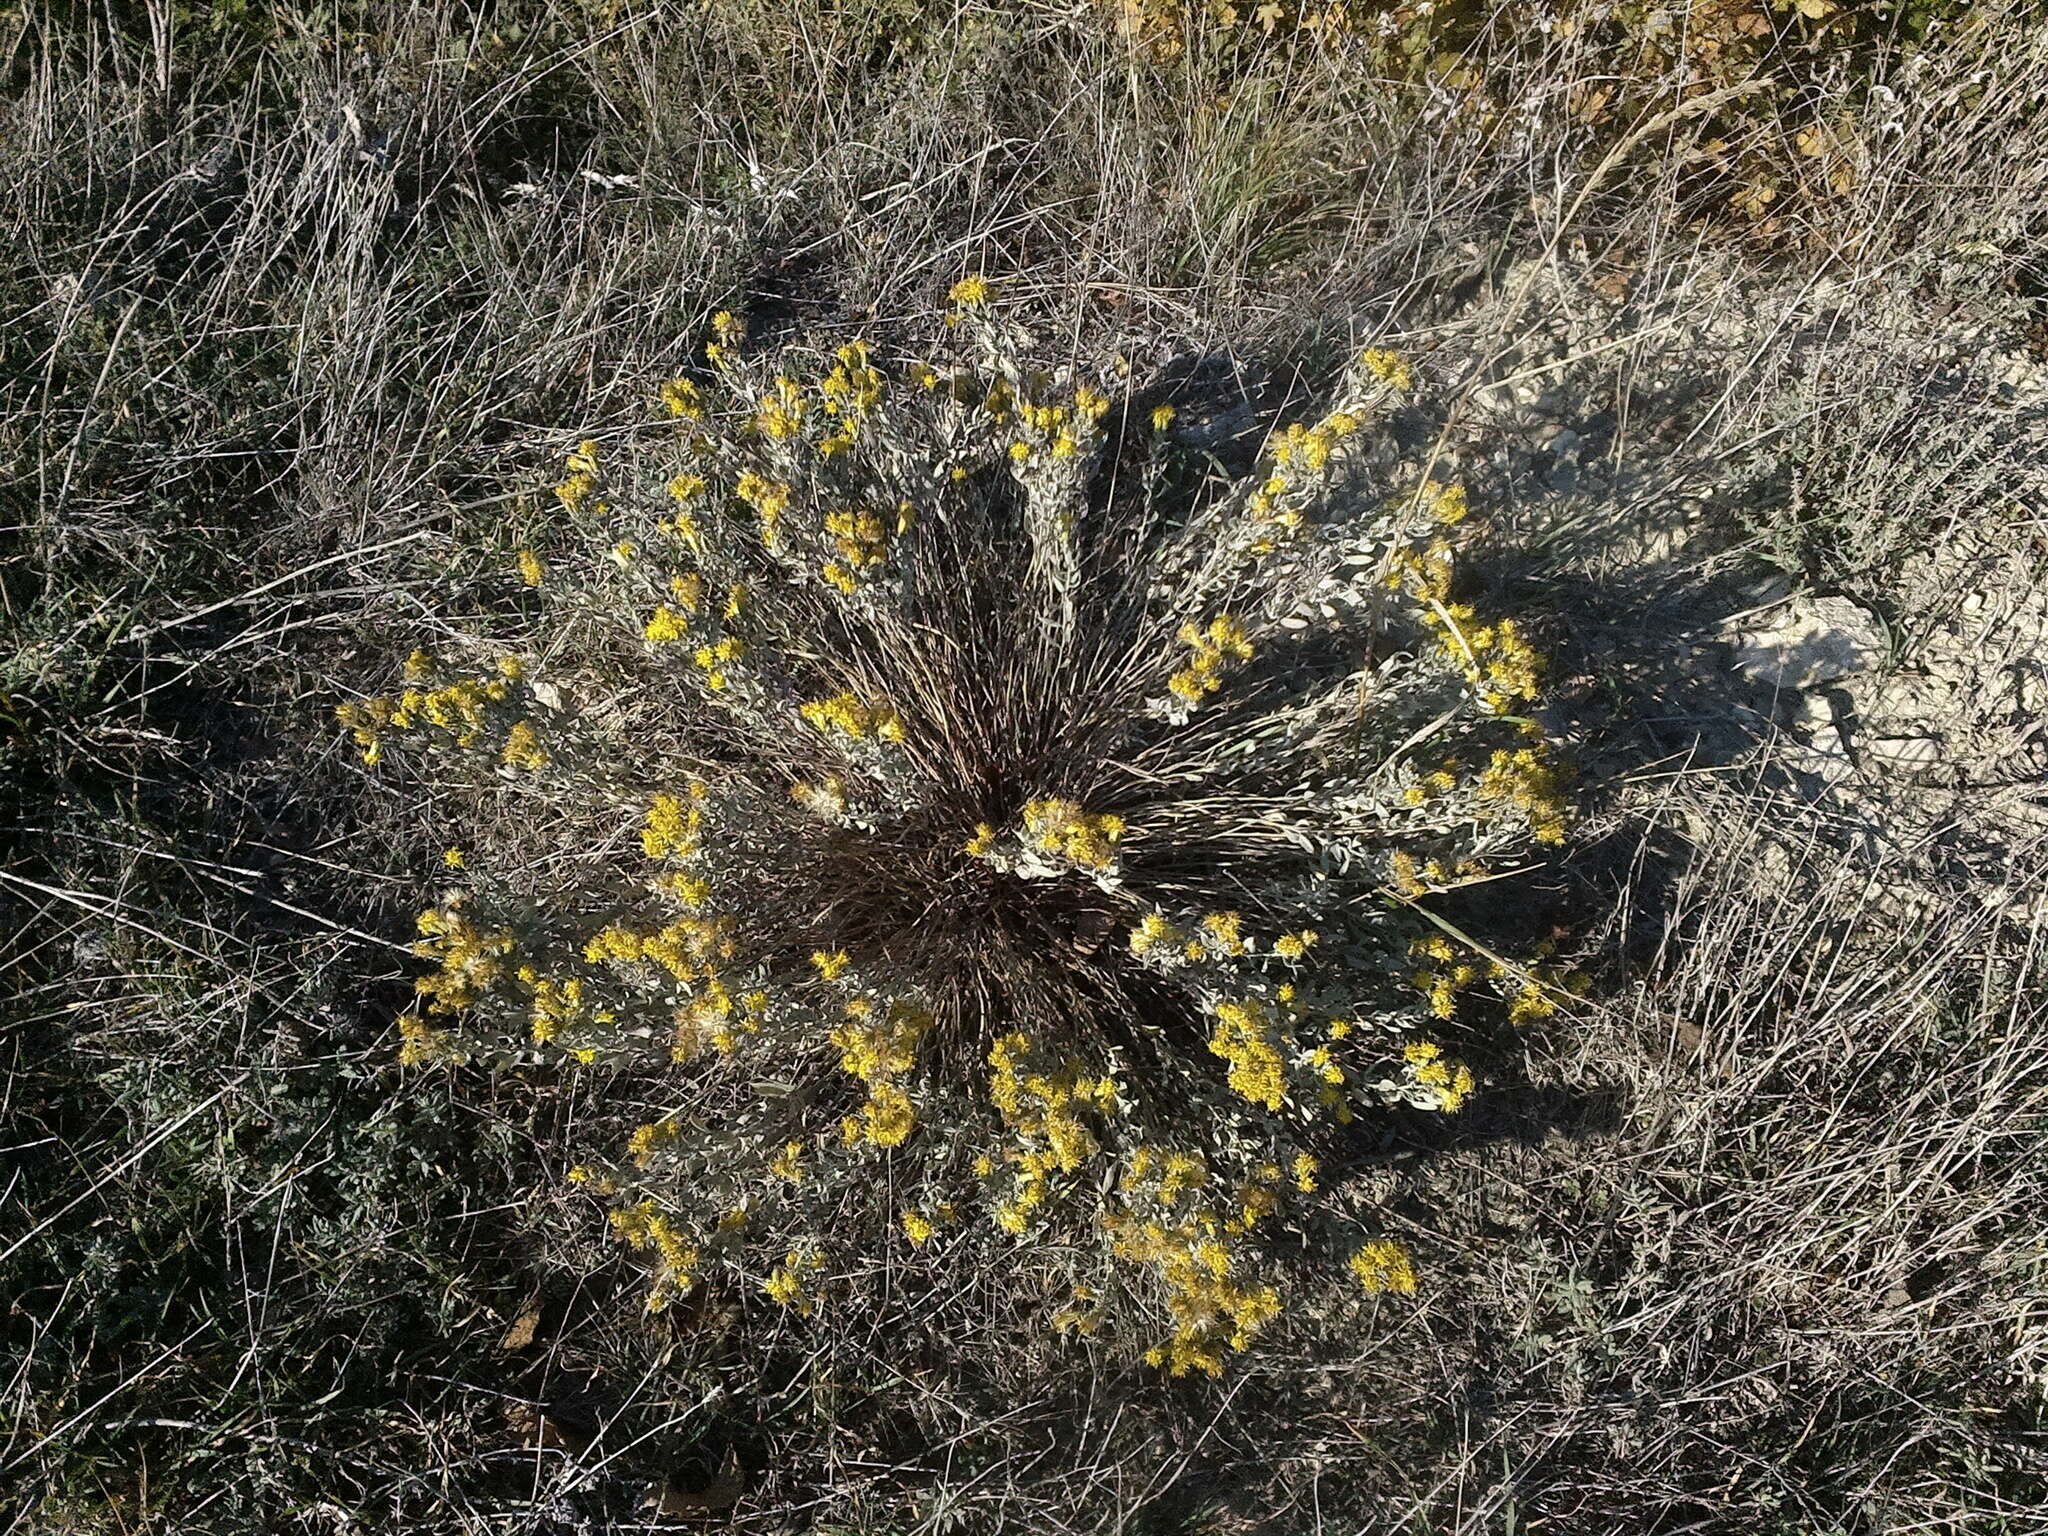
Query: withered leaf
[542,1431]
[669,1500]
[520,1334]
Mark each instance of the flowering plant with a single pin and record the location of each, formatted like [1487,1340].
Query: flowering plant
[973,816]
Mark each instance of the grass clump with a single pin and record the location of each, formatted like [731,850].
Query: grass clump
[961,812]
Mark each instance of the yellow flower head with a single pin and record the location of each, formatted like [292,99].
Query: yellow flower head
[1389,367]
[682,399]
[1382,1265]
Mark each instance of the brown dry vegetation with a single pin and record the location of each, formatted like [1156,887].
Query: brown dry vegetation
[302,308]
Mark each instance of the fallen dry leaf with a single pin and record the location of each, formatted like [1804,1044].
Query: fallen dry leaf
[523,1328]
[667,1500]
[542,1431]
[1614,285]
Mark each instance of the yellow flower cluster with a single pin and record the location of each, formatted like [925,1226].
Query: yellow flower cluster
[471,959]
[1304,1168]
[1532,1001]
[557,1003]
[1223,640]
[885,1120]
[710,1018]
[460,712]
[781,415]
[1410,876]
[675,823]
[1154,933]
[1530,782]
[693,951]
[1389,367]
[578,489]
[645,1227]
[1425,574]
[1300,455]
[1441,781]
[727,333]
[1061,827]
[918,1228]
[1442,982]
[1538,990]
[1384,1266]
[1446,503]
[1222,934]
[1248,1036]
[1512,663]
[1042,1106]
[878,1046]
[1215,936]
[674,623]
[825,799]
[684,488]
[1497,658]
[523,748]
[682,399]
[1323,1063]
[687,948]
[1058,429]
[1188,1246]
[1295,946]
[785,1283]
[1448,1082]
[712,660]
[1178,1173]
[420,1044]
[846,714]
[769,499]
[666,626]
[999,402]
[1311,447]
[853,388]
[649,1139]
[862,542]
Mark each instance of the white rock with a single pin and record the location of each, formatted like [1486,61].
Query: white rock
[1810,642]
[1907,754]
[1810,712]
